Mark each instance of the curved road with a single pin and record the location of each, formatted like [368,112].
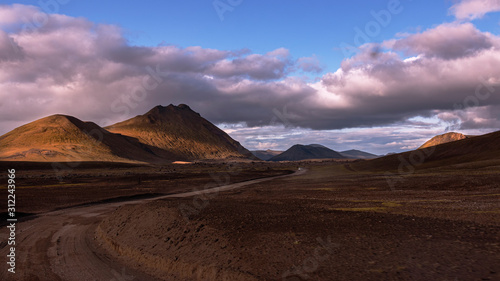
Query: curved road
[59,245]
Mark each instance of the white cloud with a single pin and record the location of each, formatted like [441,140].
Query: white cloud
[11,14]
[474,9]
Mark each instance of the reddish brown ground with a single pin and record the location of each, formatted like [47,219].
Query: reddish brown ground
[332,223]
[40,188]
[335,222]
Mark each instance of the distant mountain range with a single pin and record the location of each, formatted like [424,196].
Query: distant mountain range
[163,134]
[266,154]
[444,138]
[351,154]
[358,154]
[304,152]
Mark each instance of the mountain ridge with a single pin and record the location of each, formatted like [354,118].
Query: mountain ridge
[444,138]
[482,150]
[66,138]
[266,154]
[304,152]
[358,154]
[163,134]
[181,131]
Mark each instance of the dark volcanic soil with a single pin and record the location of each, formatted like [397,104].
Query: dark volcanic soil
[330,224]
[41,188]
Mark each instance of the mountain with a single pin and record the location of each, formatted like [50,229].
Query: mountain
[164,134]
[265,154]
[302,152]
[358,154]
[180,131]
[318,145]
[66,138]
[444,138]
[478,150]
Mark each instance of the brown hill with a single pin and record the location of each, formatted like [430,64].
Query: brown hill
[477,151]
[182,132]
[444,138]
[66,138]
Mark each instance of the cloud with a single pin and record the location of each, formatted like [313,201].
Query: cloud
[272,65]
[310,64]
[377,140]
[484,117]
[76,67]
[11,14]
[474,9]
[73,66]
[375,88]
[9,49]
[447,41]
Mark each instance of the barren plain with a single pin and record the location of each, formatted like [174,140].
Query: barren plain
[335,220]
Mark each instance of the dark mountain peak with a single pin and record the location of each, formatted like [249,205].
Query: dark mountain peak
[183,106]
[303,152]
[156,111]
[160,112]
[317,145]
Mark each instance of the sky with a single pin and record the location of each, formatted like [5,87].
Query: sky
[379,76]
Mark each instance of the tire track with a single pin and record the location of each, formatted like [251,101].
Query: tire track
[60,246]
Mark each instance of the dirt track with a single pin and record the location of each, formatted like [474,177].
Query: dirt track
[59,245]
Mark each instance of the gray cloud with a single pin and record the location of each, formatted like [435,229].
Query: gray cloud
[9,49]
[310,64]
[447,41]
[273,65]
[73,66]
[483,117]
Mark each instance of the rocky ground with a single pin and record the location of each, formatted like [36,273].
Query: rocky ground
[331,223]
